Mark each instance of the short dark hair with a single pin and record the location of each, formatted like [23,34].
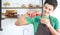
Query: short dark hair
[52,2]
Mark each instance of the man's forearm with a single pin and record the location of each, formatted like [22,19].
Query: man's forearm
[21,20]
[53,31]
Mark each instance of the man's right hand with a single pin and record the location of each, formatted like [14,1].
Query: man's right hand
[32,14]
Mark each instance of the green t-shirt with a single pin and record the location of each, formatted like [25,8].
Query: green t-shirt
[35,21]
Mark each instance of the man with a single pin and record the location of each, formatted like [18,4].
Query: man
[49,7]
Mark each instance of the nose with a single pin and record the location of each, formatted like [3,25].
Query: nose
[46,10]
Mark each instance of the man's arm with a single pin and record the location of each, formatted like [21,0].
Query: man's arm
[53,31]
[21,20]
[48,24]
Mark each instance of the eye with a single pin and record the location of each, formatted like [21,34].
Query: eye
[46,7]
[49,9]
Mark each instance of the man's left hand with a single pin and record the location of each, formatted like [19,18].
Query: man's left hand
[45,21]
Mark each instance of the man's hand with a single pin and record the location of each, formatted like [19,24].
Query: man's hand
[45,21]
[33,13]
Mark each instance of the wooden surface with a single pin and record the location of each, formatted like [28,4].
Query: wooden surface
[21,8]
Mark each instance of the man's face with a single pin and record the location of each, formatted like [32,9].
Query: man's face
[47,9]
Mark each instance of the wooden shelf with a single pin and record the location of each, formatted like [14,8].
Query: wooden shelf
[7,17]
[21,8]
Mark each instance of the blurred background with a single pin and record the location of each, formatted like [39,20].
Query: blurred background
[12,9]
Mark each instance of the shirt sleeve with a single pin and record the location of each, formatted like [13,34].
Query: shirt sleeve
[57,24]
[32,20]
[29,20]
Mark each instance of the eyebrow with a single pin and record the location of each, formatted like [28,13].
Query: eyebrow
[47,7]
